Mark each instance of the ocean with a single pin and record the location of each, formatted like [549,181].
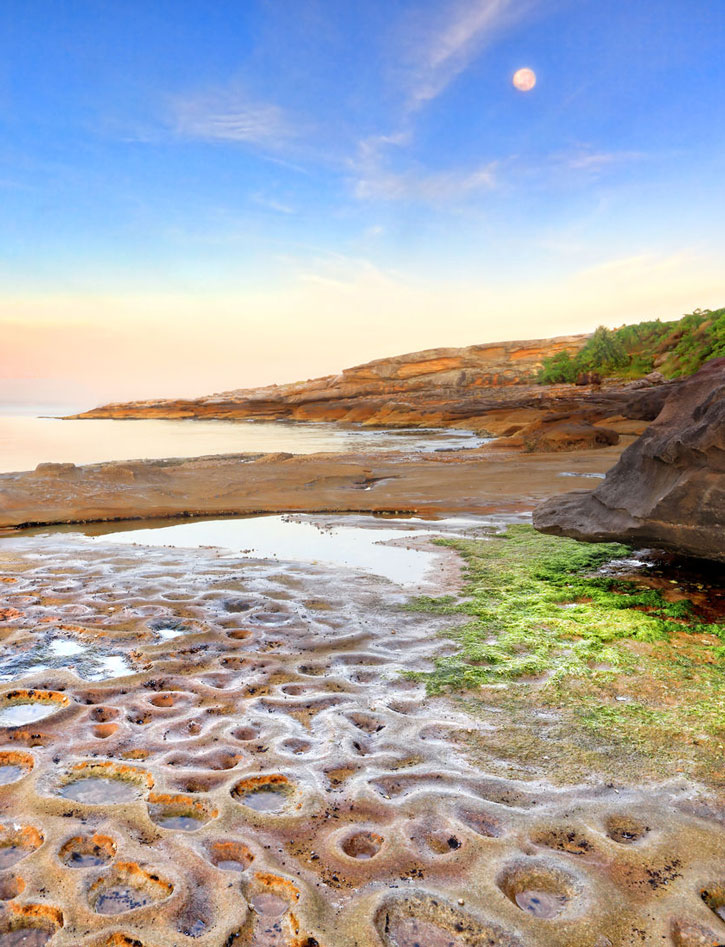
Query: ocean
[34,434]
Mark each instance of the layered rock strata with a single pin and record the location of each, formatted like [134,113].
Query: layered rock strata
[490,389]
[436,386]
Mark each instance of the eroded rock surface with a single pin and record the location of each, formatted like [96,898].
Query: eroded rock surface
[668,488]
[287,787]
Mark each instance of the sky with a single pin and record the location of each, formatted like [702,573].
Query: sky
[201,196]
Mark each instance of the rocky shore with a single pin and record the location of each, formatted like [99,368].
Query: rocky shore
[471,480]
[490,389]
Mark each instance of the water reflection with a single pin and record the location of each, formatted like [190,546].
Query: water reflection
[27,441]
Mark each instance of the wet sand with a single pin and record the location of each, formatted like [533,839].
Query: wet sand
[265,775]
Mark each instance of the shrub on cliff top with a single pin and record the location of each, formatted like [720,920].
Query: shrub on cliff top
[676,349]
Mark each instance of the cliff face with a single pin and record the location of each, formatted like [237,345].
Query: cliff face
[490,389]
[668,488]
[436,386]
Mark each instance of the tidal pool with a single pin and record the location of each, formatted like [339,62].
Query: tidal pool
[15,715]
[89,663]
[363,543]
[98,791]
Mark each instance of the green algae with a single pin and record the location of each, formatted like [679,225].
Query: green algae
[629,673]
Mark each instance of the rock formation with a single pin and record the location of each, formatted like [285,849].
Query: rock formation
[432,387]
[490,389]
[668,488]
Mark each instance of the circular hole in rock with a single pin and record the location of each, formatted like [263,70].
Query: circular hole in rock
[366,723]
[244,734]
[481,822]
[163,700]
[238,634]
[17,841]
[104,730]
[14,765]
[169,628]
[313,670]
[268,904]
[198,783]
[104,783]
[235,605]
[26,937]
[296,746]
[127,887]
[223,759]
[540,903]
[11,886]
[539,890]
[21,707]
[625,829]
[564,840]
[442,843]
[99,791]
[269,794]
[229,856]
[88,851]
[271,619]
[418,919]
[414,932]
[182,813]
[714,898]
[104,714]
[362,845]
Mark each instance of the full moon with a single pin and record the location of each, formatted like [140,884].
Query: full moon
[524,80]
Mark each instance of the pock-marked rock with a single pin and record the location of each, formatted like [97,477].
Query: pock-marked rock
[668,488]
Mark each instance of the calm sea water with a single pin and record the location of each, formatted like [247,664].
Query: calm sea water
[27,438]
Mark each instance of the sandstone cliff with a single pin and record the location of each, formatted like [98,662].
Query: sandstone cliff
[436,386]
[489,388]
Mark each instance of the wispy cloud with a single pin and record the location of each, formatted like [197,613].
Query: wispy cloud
[272,204]
[230,115]
[447,45]
[585,159]
[435,52]
[426,186]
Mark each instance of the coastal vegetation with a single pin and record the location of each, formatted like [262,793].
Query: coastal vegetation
[676,349]
[553,623]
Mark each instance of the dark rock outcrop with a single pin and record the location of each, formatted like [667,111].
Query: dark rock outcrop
[668,488]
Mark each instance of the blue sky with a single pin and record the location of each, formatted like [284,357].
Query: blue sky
[307,183]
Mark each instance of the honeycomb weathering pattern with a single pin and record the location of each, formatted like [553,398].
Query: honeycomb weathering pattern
[289,787]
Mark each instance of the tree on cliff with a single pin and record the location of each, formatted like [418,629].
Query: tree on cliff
[603,351]
[559,368]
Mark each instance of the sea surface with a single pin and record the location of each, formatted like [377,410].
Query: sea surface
[30,435]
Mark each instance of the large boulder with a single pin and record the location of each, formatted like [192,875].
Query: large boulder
[668,488]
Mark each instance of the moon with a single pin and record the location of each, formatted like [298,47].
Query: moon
[524,80]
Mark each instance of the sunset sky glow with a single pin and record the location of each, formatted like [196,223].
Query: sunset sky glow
[197,196]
